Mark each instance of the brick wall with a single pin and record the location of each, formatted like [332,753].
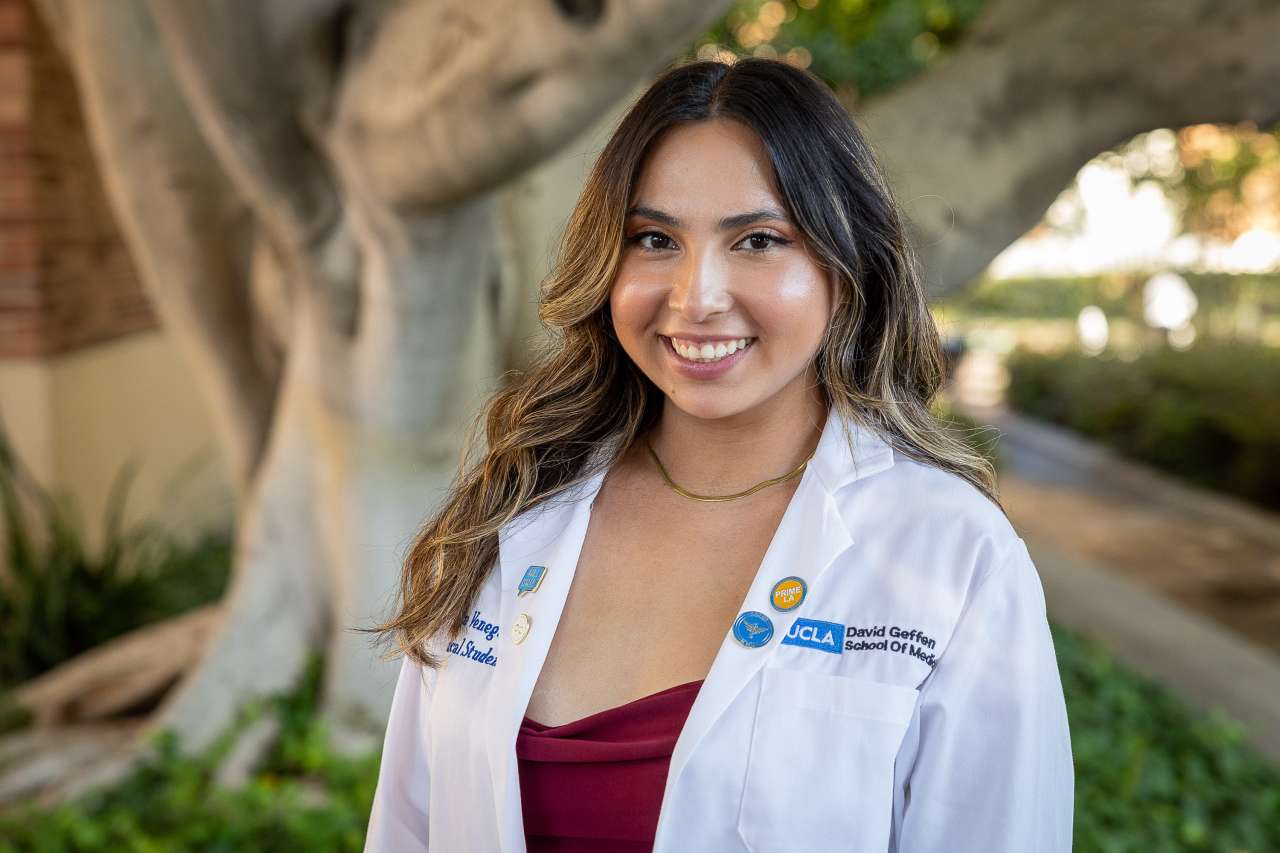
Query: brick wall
[66,280]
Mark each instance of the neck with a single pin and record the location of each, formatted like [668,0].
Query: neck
[732,454]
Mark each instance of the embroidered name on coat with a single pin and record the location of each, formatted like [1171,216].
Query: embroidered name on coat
[469,649]
[911,642]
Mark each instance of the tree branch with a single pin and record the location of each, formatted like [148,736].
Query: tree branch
[241,65]
[979,147]
[445,100]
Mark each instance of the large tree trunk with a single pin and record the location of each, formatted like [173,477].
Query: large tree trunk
[307,187]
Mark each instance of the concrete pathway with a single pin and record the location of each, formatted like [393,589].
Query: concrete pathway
[1209,667]
[1180,583]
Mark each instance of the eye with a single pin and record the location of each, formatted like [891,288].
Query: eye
[761,241]
[772,240]
[637,240]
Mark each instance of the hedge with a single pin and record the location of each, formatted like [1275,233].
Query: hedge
[1209,414]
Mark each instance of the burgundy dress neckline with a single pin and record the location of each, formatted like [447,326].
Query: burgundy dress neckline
[591,718]
[595,784]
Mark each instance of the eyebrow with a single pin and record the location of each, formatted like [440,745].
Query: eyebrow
[728,223]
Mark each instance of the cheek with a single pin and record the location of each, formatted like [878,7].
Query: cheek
[632,305]
[795,310]
[620,308]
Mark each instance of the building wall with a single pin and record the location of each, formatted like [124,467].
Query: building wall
[88,379]
[66,280]
[127,402]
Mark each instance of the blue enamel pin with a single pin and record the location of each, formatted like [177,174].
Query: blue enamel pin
[532,580]
[752,628]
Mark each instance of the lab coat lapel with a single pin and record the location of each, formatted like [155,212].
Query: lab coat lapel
[550,535]
[811,535]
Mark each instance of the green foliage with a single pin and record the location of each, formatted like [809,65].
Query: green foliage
[1210,414]
[1218,295]
[861,47]
[1043,298]
[304,797]
[1153,776]
[1224,169]
[58,600]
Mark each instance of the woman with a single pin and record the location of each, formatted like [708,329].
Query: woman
[721,581]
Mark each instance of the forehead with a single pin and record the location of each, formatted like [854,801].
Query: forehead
[705,170]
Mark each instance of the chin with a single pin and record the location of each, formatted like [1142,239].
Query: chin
[706,407]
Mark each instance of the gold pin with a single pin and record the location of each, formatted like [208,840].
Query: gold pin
[520,628]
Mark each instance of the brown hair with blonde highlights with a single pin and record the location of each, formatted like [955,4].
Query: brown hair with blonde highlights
[879,364]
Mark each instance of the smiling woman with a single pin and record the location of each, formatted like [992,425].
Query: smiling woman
[719,581]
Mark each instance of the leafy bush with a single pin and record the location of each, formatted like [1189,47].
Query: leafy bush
[57,600]
[304,797]
[1154,776]
[1151,776]
[1210,414]
[1218,297]
[863,47]
[1058,298]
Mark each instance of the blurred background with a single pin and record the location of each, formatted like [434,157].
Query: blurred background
[260,263]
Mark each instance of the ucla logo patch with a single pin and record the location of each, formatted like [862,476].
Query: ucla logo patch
[816,634]
[532,580]
[752,628]
[788,593]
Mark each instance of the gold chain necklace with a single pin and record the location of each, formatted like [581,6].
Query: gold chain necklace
[751,491]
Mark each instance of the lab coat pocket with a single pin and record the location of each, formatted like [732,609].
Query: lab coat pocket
[820,767]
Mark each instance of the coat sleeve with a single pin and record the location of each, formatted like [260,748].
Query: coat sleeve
[993,772]
[398,819]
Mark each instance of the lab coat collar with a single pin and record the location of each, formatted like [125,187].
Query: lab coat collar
[846,451]
[809,538]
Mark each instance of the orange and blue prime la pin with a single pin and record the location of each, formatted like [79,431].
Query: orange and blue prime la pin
[752,628]
[532,580]
[788,593]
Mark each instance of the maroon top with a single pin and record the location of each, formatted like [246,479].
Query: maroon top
[596,784]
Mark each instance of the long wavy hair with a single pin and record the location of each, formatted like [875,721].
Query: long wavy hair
[880,362]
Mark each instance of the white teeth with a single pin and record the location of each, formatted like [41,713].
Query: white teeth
[708,351]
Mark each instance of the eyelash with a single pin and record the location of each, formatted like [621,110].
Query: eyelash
[635,239]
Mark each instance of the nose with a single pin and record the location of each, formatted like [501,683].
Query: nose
[700,288]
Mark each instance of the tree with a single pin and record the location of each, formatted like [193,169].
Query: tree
[307,188]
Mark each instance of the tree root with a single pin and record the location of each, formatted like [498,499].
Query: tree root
[90,712]
[133,670]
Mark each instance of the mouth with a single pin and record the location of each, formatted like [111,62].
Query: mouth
[716,363]
[709,353]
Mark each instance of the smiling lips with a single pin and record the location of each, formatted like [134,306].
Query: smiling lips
[708,352]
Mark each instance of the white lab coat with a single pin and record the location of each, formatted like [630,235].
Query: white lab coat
[953,739]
